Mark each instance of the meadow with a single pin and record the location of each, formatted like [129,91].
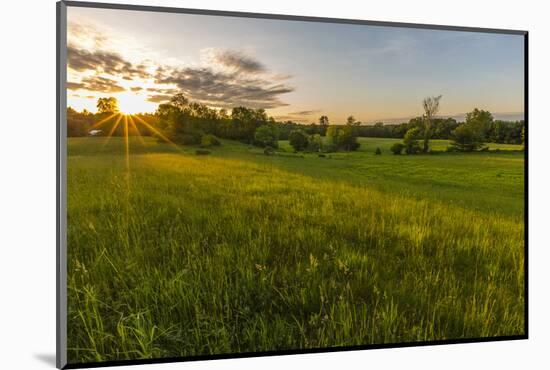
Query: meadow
[175,254]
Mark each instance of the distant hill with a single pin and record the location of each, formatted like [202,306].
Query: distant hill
[510,116]
[514,116]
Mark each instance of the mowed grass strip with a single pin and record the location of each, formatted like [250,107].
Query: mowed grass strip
[191,255]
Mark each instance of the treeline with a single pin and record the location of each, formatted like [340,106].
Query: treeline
[105,123]
[192,123]
[189,122]
[186,122]
[478,128]
[498,131]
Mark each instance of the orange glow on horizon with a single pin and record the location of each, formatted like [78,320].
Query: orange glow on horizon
[129,103]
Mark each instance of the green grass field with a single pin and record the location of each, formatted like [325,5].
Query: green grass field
[174,254]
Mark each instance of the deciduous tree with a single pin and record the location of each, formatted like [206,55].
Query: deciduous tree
[107,105]
[431,107]
[298,139]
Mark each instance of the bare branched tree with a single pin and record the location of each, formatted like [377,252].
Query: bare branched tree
[431,107]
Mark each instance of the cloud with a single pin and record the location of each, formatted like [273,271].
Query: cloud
[75,85]
[293,119]
[240,80]
[305,112]
[159,98]
[102,84]
[82,60]
[224,89]
[300,116]
[162,90]
[136,88]
[281,77]
[85,33]
[237,61]
[96,83]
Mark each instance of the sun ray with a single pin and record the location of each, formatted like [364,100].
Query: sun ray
[112,131]
[127,144]
[133,123]
[97,124]
[157,132]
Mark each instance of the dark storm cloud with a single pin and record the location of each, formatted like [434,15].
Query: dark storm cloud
[106,62]
[239,61]
[221,89]
[96,83]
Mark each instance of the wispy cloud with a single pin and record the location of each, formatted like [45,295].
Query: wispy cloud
[305,112]
[234,60]
[227,79]
[224,89]
[300,116]
[159,98]
[96,84]
[84,33]
[105,62]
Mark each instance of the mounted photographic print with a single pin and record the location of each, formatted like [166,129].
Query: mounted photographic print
[237,184]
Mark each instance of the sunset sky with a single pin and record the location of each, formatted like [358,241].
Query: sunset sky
[295,70]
